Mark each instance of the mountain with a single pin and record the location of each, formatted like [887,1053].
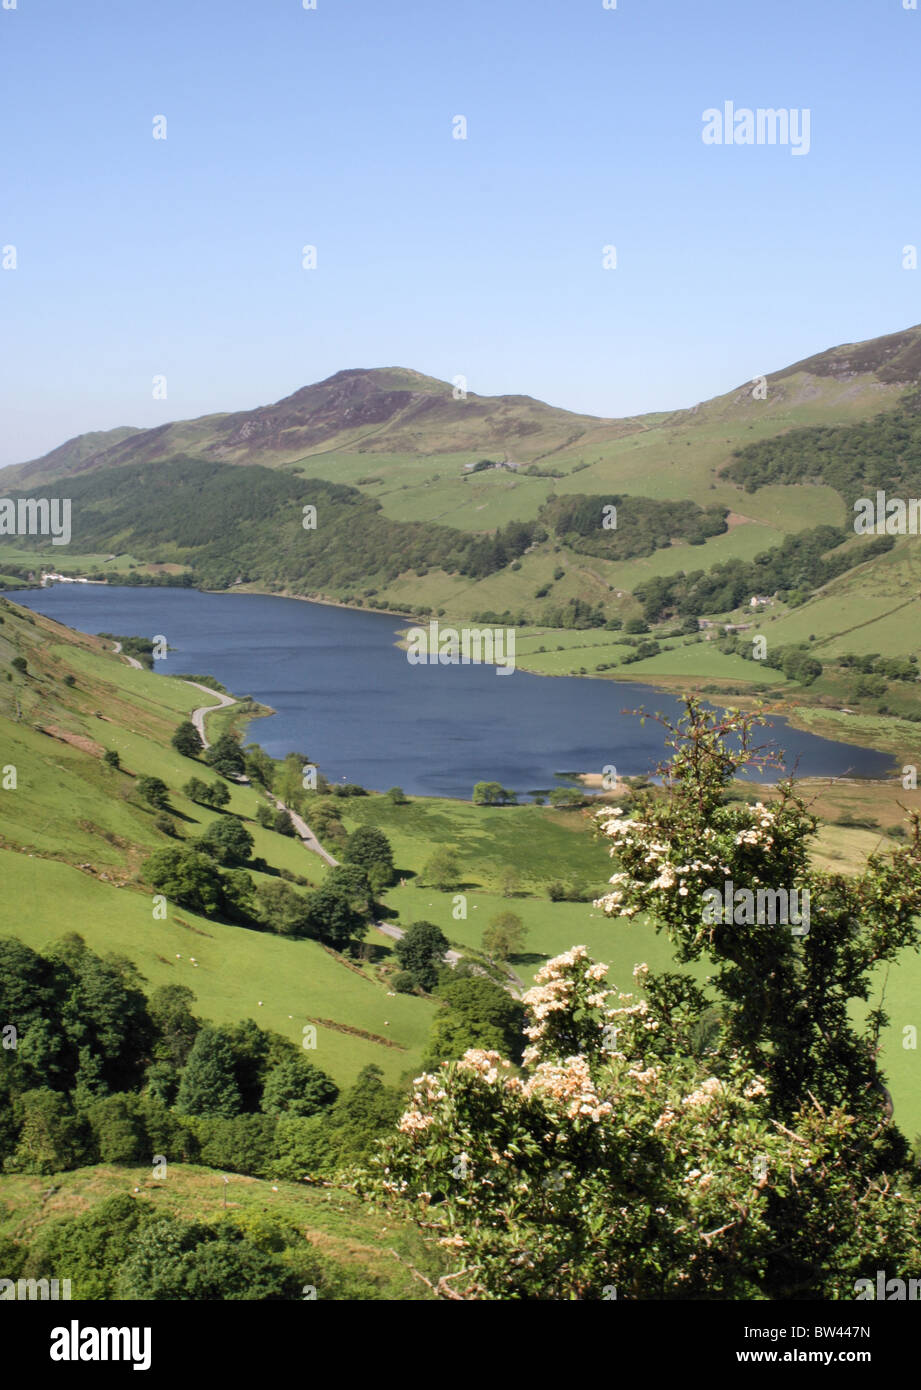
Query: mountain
[381,409]
[491,509]
[396,411]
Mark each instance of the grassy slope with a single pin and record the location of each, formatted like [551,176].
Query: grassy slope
[484,838]
[413,464]
[70,809]
[376,1247]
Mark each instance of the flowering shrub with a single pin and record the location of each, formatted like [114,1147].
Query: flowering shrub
[789,995]
[672,1141]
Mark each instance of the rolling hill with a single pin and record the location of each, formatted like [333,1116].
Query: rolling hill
[482,508]
[386,411]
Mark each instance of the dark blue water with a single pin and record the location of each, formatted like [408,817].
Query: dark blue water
[348,699]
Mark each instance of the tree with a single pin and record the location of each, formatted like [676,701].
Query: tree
[760,1159]
[369,847]
[187,740]
[798,665]
[476,1013]
[92,1246]
[503,936]
[254,1050]
[242,1144]
[509,882]
[282,823]
[353,882]
[380,878]
[421,953]
[296,1087]
[188,877]
[176,1026]
[442,870]
[563,797]
[216,795]
[118,1133]
[172,1259]
[226,757]
[228,841]
[103,1013]
[259,766]
[51,1137]
[492,794]
[397,796]
[208,1085]
[154,791]
[333,919]
[196,790]
[360,1117]
[280,908]
[111,759]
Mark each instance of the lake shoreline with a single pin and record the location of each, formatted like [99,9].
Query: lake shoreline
[807,718]
[867,737]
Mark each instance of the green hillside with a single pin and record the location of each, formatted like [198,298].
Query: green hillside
[370,1254]
[490,509]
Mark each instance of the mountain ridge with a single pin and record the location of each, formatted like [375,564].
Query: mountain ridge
[400,410]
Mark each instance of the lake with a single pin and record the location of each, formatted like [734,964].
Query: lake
[348,699]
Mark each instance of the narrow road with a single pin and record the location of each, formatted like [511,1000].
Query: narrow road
[131,660]
[306,835]
[397,933]
[309,841]
[198,715]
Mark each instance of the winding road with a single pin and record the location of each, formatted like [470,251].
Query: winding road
[309,841]
[132,661]
[306,836]
[198,715]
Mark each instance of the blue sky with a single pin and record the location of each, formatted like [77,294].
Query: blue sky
[333,127]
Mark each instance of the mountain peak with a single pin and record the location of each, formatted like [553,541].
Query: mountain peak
[399,411]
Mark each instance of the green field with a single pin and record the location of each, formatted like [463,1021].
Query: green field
[71,810]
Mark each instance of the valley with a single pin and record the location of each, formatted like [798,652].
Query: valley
[366,934]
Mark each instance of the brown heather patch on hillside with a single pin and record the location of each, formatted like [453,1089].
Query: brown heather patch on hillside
[86,745]
[894,358]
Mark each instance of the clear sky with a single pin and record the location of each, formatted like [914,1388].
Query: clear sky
[333,127]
